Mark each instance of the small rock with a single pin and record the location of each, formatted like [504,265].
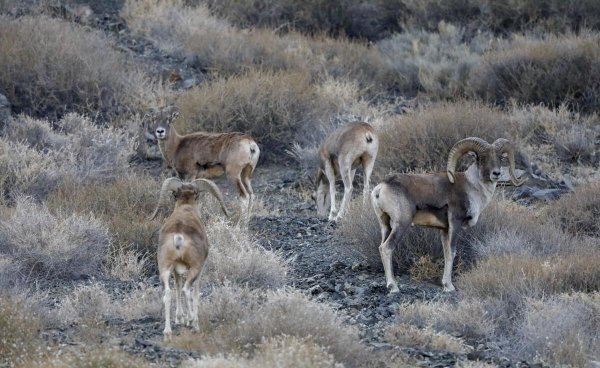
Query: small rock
[359,266]
[548,194]
[188,83]
[337,265]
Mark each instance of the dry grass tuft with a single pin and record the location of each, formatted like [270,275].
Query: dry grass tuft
[275,108]
[550,71]
[423,138]
[37,158]
[283,352]
[237,320]
[93,357]
[410,336]
[49,67]
[578,213]
[561,330]
[234,257]
[469,318]
[123,205]
[55,246]
[19,332]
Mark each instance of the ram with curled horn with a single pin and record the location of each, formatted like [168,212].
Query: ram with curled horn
[183,247]
[445,201]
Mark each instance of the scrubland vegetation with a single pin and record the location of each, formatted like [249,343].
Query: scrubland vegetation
[75,196]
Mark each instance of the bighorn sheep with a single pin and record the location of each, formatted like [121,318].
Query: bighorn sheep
[183,247]
[440,200]
[341,153]
[207,155]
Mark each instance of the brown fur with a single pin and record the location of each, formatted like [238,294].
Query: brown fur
[184,257]
[208,155]
[341,153]
[432,200]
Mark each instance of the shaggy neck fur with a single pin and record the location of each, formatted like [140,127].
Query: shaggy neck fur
[167,146]
[480,192]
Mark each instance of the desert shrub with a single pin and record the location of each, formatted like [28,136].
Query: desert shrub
[514,277]
[89,303]
[578,213]
[504,16]
[234,257]
[46,245]
[38,158]
[469,318]
[25,171]
[127,265]
[215,45]
[437,64]
[284,352]
[235,319]
[123,205]
[50,67]
[549,71]
[423,138]
[356,19]
[275,108]
[561,330]
[143,302]
[410,336]
[19,332]
[558,137]
[93,357]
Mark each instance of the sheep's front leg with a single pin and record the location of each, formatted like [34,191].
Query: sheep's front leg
[449,254]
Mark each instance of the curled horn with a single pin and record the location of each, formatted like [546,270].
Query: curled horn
[503,145]
[209,186]
[170,184]
[471,144]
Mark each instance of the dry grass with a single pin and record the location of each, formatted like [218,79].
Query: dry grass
[123,206]
[423,138]
[99,356]
[44,245]
[410,336]
[49,67]
[355,19]
[19,332]
[471,319]
[550,71]
[39,156]
[275,108]
[504,17]
[283,352]
[514,277]
[579,213]
[236,320]
[235,258]
[561,330]
[218,46]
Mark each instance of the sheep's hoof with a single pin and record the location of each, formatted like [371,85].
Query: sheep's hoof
[393,289]
[449,288]
[167,334]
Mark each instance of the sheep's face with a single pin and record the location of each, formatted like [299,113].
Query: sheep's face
[490,163]
[160,122]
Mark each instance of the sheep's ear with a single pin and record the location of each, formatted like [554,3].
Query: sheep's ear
[174,115]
